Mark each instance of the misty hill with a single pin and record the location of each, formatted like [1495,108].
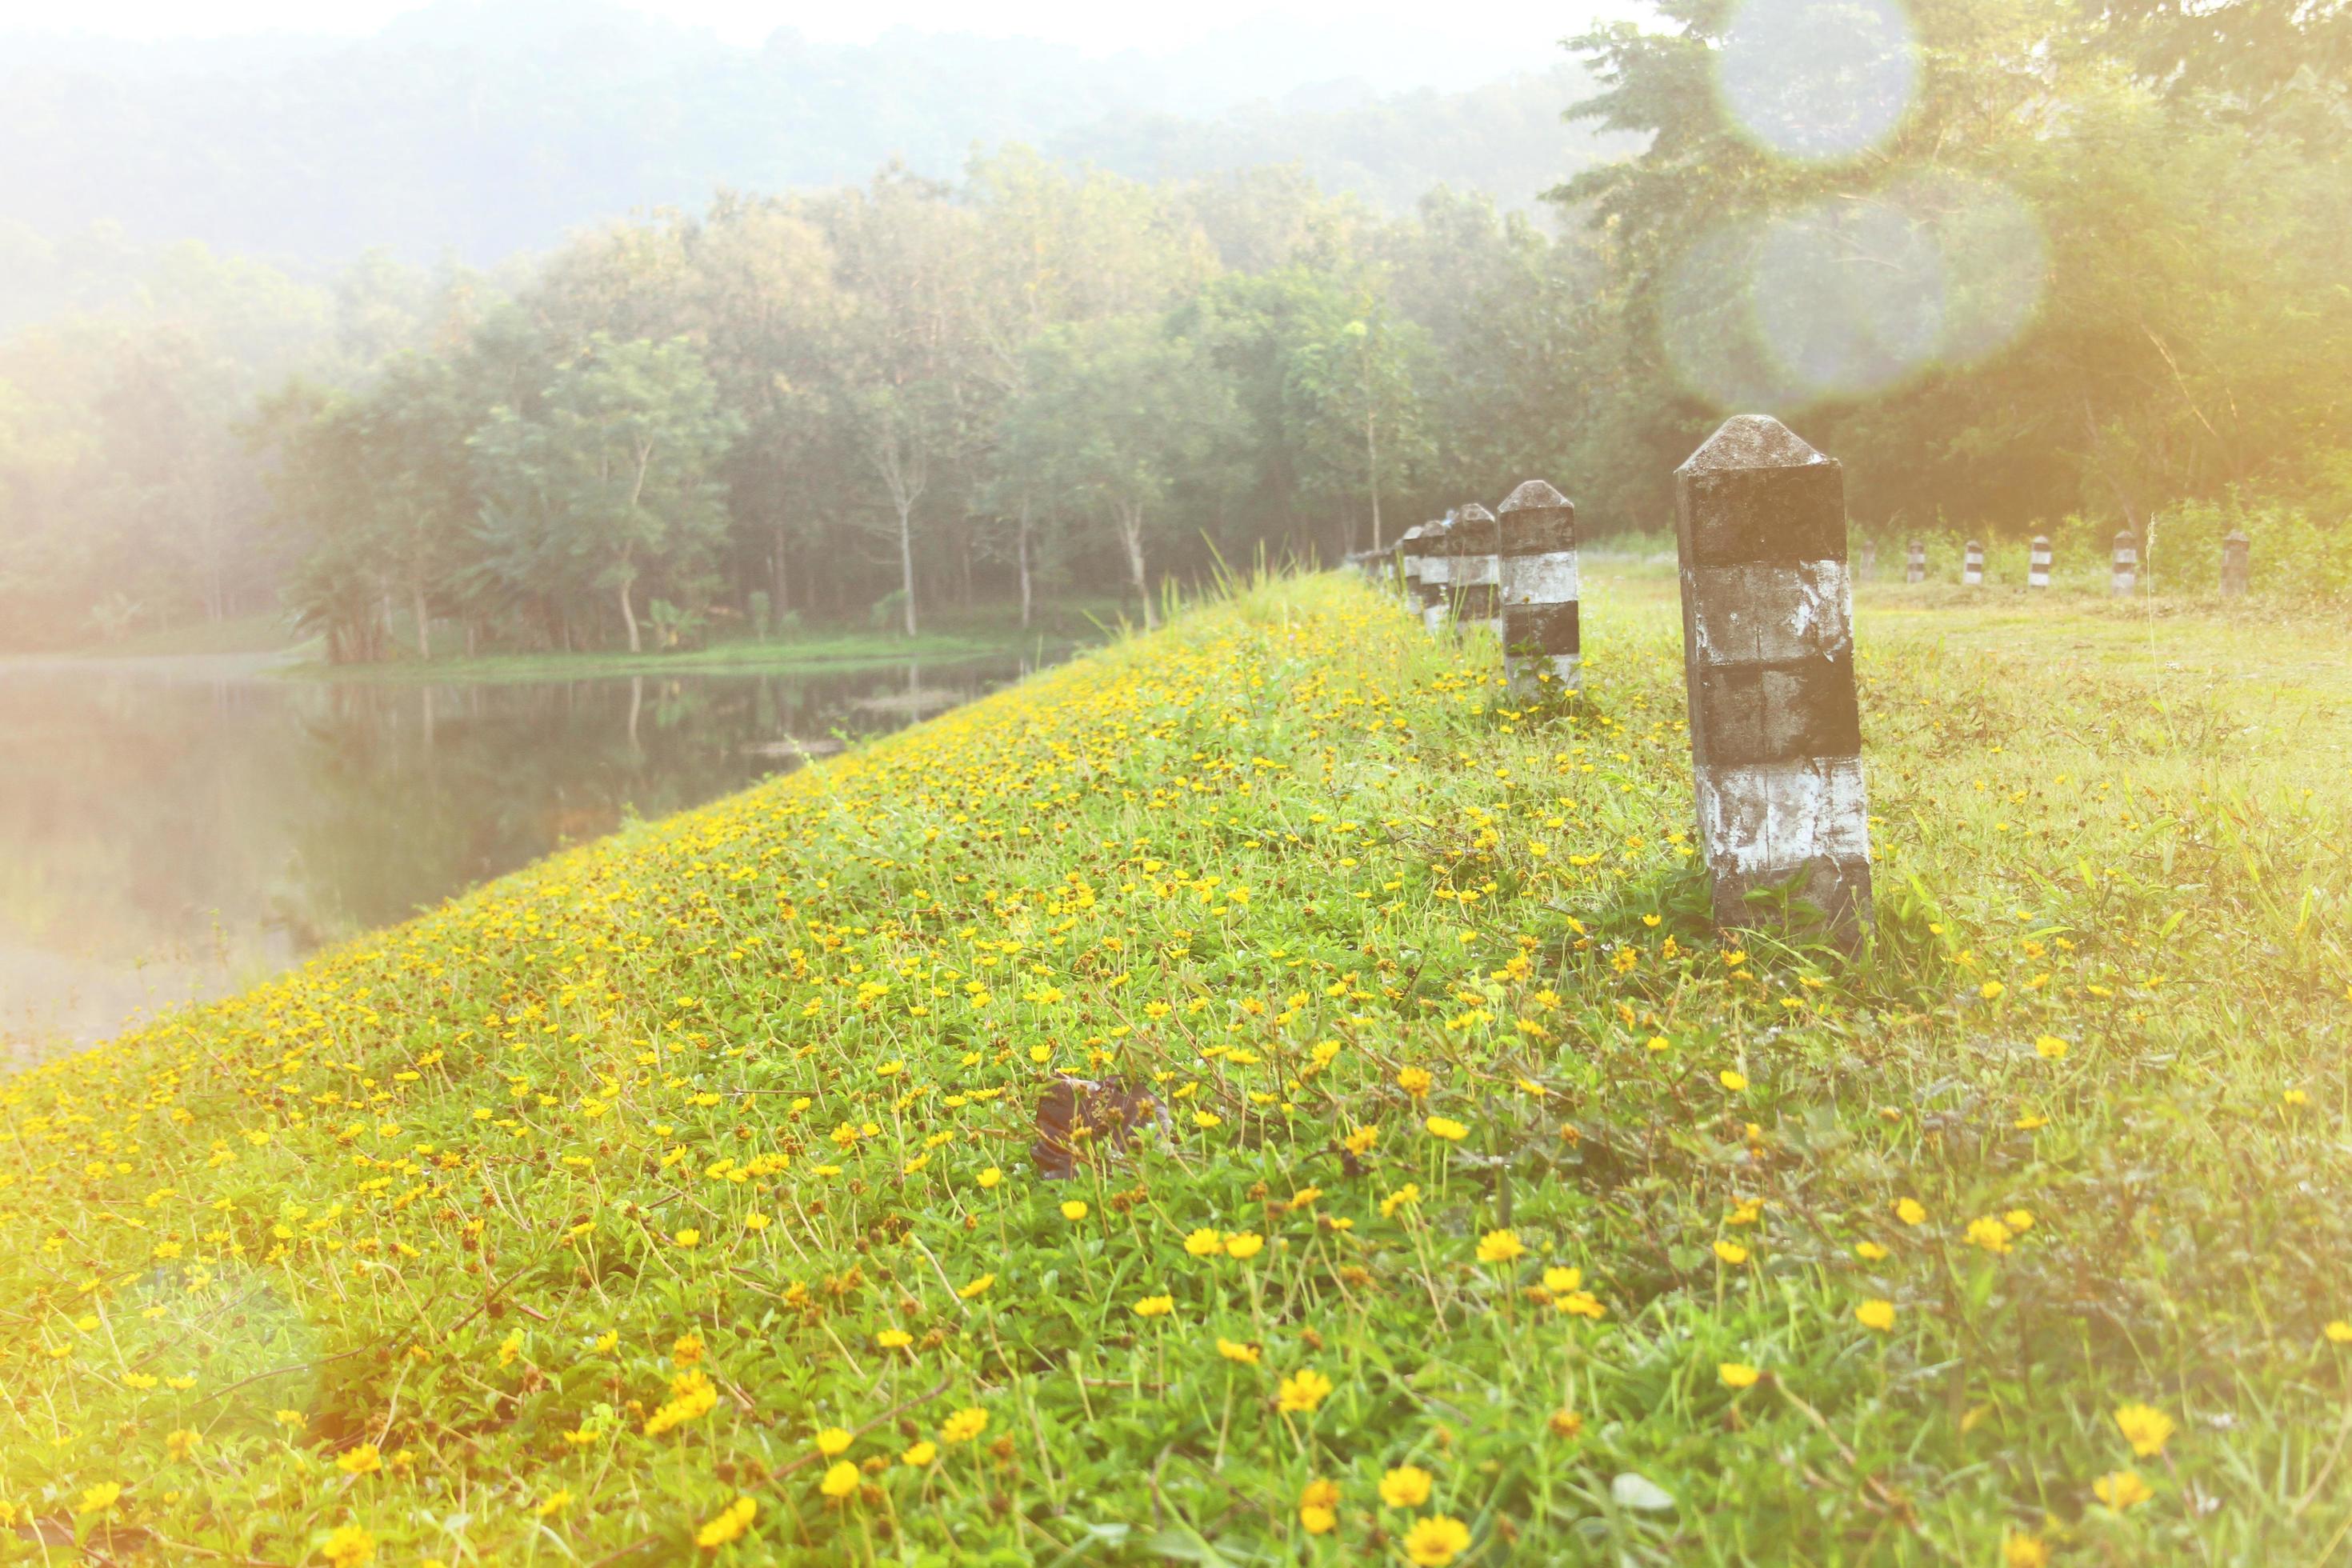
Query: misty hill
[484,130]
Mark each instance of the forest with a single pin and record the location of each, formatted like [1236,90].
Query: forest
[2082,273]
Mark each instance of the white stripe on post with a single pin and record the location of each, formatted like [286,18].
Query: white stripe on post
[1768,648]
[1539,590]
[2037,565]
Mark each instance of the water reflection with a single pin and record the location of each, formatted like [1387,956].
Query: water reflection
[173,829]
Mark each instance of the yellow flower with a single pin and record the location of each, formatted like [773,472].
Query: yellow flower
[2339,1333]
[1737,1374]
[1731,1252]
[833,1442]
[1318,1507]
[1155,1305]
[554,1503]
[1870,1251]
[1731,1080]
[362,1460]
[689,1238]
[181,1443]
[348,1546]
[2018,1220]
[1407,1485]
[1074,1210]
[1564,1423]
[727,1525]
[1910,1211]
[99,1498]
[2120,1489]
[839,1482]
[1437,1540]
[1561,1281]
[1244,1244]
[920,1455]
[1990,990]
[2050,1049]
[1500,1247]
[1414,1082]
[978,1286]
[964,1424]
[1235,1350]
[991,1176]
[1446,1127]
[2023,1551]
[1878,1316]
[1204,1120]
[894,1339]
[1303,1391]
[2146,1428]
[1205,1243]
[1989,1233]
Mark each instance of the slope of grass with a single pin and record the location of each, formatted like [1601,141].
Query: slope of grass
[674,1200]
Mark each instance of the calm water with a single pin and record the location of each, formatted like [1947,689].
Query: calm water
[173,829]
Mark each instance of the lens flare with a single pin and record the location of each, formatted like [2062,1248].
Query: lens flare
[1851,295]
[1818,80]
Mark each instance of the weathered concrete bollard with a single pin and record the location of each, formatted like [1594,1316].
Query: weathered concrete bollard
[1540,589]
[1408,570]
[1767,650]
[1972,565]
[1476,547]
[1436,577]
[1870,559]
[1915,563]
[2237,563]
[2125,577]
[2037,564]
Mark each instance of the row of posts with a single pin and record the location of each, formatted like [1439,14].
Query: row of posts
[2123,572]
[1767,652]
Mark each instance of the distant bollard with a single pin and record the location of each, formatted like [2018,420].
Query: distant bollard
[1408,570]
[1972,565]
[1914,562]
[1870,559]
[1436,576]
[1476,545]
[2037,565]
[1767,647]
[2237,563]
[2125,578]
[1540,589]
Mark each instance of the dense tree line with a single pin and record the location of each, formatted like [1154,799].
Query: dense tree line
[2072,267]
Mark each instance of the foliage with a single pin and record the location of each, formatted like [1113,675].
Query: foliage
[676,1197]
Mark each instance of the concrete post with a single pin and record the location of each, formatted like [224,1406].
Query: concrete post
[1972,565]
[1768,648]
[1476,548]
[2125,578]
[2237,563]
[2037,565]
[1407,573]
[1914,562]
[1870,559]
[1539,590]
[1436,576]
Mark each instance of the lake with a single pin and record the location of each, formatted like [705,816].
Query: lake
[175,829]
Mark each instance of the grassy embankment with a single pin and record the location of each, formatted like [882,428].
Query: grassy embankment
[672,1200]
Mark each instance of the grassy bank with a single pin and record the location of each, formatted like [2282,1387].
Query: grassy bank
[675,1200]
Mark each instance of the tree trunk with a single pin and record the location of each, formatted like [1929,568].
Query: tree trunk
[776,567]
[906,563]
[424,622]
[1130,527]
[1372,474]
[629,614]
[1021,541]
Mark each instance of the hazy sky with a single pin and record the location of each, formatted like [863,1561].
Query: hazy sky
[1089,24]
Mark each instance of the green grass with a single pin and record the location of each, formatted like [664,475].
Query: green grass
[992,631]
[549,1225]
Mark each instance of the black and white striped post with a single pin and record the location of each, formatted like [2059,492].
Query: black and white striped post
[1476,548]
[1539,590]
[2125,577]
[2237,563]
[1914,562]
[1767,650]
[1972,565]
[2037,564]
[1436,576]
